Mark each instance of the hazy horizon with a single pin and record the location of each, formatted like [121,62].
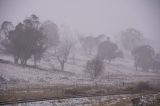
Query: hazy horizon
[90,17]
[80,52]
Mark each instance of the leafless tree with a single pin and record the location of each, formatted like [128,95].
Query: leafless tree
[62,52]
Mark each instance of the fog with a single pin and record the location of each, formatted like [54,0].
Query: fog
[59,50]
[90,17]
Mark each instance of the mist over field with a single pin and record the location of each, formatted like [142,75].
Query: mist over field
[90,17]
[85,49]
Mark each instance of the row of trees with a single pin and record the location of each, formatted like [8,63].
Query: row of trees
[31,39]
[144,55]
[106,50]
[133,41]
[145,58]
[127,39]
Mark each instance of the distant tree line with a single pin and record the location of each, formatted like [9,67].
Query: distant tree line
[31,39]
[131,40]
[27,39]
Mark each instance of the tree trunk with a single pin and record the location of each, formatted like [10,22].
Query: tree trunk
[62,66]
[35,63]
[16,59]
[23,62]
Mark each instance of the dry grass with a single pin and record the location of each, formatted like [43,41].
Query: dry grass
[14,94]
[117,102]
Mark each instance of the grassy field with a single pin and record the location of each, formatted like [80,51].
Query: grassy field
[23,83]
[64,91]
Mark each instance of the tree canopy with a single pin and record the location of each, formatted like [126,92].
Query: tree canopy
[50,29]
[26,40]
[108,50]
[131,38]
[143,57]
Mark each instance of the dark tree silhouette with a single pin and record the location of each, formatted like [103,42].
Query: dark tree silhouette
[108,50]
[157,57]
[156,63]
[26,40]
[94,67]
[131,38]
[143,57]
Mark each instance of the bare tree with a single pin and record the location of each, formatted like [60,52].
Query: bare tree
[62,52]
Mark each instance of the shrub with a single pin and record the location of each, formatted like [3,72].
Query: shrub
[143,86]
[94,67]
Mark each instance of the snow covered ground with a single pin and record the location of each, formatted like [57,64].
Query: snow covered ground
[119,71]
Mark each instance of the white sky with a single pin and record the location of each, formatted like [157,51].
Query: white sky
[90,16]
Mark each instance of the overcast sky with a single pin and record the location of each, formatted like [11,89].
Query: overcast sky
[90,16]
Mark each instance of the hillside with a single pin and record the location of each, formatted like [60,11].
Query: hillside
[116,73]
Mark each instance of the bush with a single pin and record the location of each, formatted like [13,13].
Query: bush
[143,86]
[94,67]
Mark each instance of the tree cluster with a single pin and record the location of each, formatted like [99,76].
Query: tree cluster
[31,38]
[26,40]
